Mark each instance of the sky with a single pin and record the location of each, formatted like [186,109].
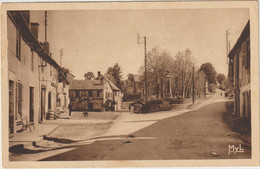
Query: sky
[93,40]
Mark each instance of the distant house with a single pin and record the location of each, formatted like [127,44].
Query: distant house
[239,73]
[92,95]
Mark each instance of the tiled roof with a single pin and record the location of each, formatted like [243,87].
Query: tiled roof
[244,35]
[113,86]
[87,84]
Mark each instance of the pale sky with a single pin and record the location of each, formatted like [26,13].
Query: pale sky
[93,40]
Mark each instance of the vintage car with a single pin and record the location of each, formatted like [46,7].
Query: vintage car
[152,106]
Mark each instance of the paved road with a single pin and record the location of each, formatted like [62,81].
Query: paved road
[198,134]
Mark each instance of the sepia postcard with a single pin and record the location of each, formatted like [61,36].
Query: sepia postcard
[130,84]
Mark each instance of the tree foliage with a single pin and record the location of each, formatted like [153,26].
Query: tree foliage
[210,72]
[183,64]
[159,62]
[131,77]
[115,75]
[180,68]
[89,76]
[221,78]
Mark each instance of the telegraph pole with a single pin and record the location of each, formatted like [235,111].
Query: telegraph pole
[193,87]
[227,44]
[45,22]
[145,66]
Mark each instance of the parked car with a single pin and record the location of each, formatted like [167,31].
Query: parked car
[138,106]
[152,106]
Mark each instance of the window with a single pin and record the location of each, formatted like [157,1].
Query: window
[98,93]
[82,94]
[19,99]
[72,94]
[32,61]
[90,93]
[18,44]
[77,93]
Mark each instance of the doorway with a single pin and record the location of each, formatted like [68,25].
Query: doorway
[31,106]
[43,95]
[11,107]
[65,100]
[49,101]
[90,106]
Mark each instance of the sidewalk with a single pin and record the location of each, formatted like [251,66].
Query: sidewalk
[27,138]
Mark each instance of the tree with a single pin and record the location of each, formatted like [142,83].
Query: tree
[89,76]
[158,63]
[131,77]
[210,72]
[200,85]
[115,75]
[183,63]
[221,78]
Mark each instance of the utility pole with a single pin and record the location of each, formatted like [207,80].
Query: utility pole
[45,22]
[145,66]
[227,44]
[193,87]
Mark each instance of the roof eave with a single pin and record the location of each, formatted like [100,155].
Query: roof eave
[29,38]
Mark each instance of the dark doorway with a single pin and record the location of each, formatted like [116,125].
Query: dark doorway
[90,106]
[31,104]
[65,100]
[11,107]
[43,95]
[49,100]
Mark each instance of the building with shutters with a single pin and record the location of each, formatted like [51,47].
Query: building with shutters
[34,77]
[239,73]
[93,94]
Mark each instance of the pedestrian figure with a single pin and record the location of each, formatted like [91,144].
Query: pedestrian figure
[130,107]
[70,107]
[85,114]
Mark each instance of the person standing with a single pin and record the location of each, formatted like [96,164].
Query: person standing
[70,107]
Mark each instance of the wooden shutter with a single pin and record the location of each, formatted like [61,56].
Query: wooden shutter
[20,97]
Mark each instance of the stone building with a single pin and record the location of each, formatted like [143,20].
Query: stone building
[239,73]
[92,94]
[33,75]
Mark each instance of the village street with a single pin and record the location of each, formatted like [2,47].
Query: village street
[177,134]
[128,86]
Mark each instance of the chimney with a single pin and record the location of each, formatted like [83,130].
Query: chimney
[34,29]
[98,73]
